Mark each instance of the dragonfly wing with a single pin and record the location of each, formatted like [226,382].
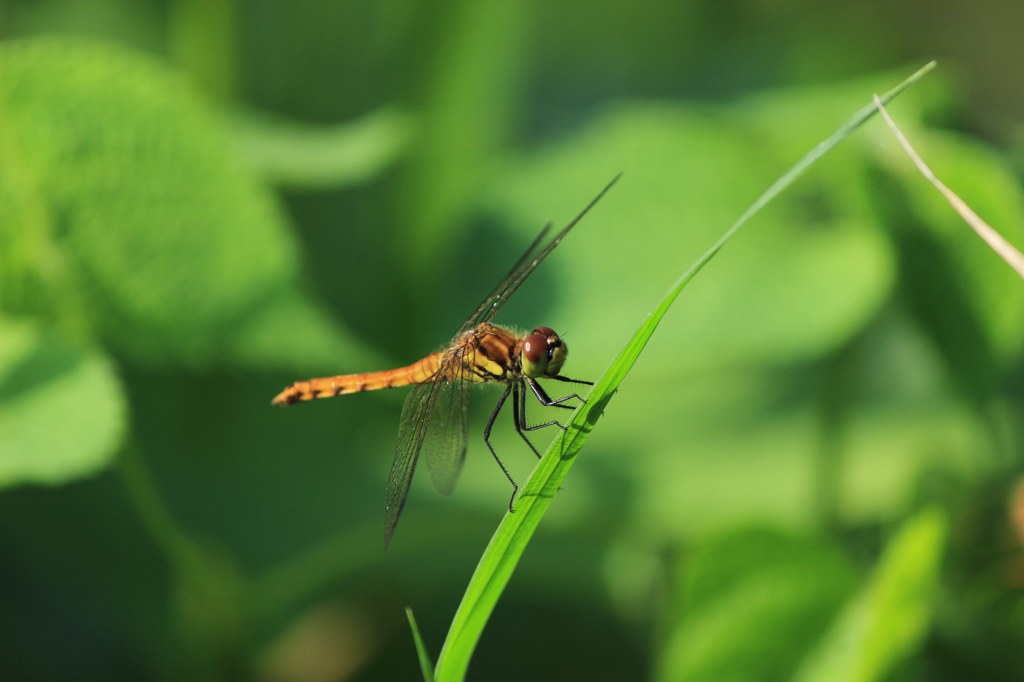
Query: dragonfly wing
[411,432]
[445,441]
[537,252]
[434,420]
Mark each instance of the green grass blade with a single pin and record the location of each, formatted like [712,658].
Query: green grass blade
[516,529]
[888,622]
[421,648]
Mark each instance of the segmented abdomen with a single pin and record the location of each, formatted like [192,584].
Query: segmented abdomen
[326,387]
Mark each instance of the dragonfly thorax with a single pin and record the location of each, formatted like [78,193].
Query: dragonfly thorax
[543,353]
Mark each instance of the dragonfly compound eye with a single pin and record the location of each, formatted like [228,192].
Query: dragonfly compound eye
[556,353]
[535,355]
[544,331]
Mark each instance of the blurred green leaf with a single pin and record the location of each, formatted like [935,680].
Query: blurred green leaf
[750,605]
[142,211]
[308,157]
[723,452]
[202,41]
[267,339]
[62,410]
[473,86]
[26,257]
[886,623]
[126,22]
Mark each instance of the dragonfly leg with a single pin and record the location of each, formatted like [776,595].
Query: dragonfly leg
[559,377]
[567,380]
[519,416]
[487,440]
[546,400]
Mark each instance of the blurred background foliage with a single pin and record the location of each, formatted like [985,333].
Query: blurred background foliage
[813,472]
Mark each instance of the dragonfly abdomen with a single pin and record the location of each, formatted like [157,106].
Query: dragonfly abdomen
[328,387]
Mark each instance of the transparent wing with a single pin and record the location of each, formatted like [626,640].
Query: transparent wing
[411,431]
[445,442]
[538,251]
[434,418]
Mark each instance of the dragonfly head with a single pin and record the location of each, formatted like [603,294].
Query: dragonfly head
[543,353]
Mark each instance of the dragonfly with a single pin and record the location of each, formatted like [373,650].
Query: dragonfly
[435,414]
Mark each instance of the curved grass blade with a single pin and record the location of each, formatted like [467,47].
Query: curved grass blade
[514,532]
[421,648]
[995,241]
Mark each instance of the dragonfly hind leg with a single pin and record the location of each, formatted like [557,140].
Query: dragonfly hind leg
[487,440]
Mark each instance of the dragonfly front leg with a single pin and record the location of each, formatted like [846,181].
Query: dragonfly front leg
[559,377]
[487,440]
[546,401]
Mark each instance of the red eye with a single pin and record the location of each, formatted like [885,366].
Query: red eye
[535,346]
[545,331]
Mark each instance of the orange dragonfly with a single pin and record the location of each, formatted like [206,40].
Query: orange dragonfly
[435,414]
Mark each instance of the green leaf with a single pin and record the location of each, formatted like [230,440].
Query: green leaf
[512,536]
[134,206]
[751,604]
[202,40]
[308,157]
[887,622]
[473,81]
[734,448]
[62,410]
[267,339]
[421,649]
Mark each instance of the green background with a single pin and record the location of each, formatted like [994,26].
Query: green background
[812,473]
